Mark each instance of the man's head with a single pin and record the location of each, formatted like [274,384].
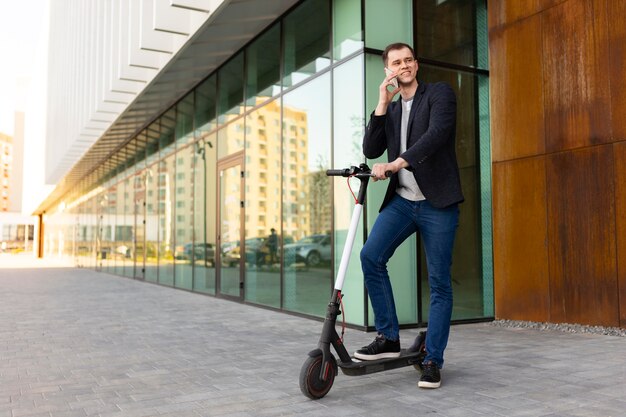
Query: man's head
[395,47]
[400,59]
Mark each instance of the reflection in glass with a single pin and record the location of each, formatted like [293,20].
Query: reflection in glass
[306,41]
[205,112]
[152,223]
[205,208]
[263,196]
[467,277]
[447,31]
[348,103]
[230,230]
[185,253]
[121,251]
[306,197]
[204,212]
[263,67]
[109,203]
[230,138]
[347,30]
[230,89]
[139,186]
[166,180]
[378,32]
[129,228]
[138,206]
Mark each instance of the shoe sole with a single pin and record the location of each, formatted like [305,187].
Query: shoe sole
[386,355]
[429,385]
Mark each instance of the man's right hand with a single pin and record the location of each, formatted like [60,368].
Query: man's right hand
[385,95]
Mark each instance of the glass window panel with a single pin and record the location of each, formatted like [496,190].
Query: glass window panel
[206,105]
[184,255]
[230,221]
[307,41]
[109,209]
[348,103]
[467,278]
[263,196]
[129,228]
[347,31]
[230,90]
[184,120]
[167,235]
[205,213]
[152,223]
[307,249]
[263,67]
[446,31]
[380,32]
[139,185]
[230,138]
[167,133]
[119,235]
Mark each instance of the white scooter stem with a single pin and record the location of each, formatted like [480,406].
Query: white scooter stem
[347,248]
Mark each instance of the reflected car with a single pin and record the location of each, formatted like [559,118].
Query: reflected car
[312,250]
[198,252]
[258,251]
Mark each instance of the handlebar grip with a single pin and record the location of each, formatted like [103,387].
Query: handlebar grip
[337,172]
[388,174]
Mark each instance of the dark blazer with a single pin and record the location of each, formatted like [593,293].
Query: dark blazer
[430,143]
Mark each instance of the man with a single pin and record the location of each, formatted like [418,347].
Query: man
[272,243]
[418,132]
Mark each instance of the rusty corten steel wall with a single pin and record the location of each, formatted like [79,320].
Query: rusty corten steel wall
[558,128]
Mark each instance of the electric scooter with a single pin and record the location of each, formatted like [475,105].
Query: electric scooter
[320,368]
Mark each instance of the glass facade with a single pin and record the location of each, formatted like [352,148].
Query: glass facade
[225,193]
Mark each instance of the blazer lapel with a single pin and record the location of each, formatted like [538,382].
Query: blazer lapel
[417,99]
[396,115]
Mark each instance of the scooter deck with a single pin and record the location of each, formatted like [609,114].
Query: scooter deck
[358,367]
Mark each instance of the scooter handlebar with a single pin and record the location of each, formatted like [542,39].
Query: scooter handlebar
[346,172]
[362,171]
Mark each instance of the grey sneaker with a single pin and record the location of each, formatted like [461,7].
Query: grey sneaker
[380,348]
[430,376]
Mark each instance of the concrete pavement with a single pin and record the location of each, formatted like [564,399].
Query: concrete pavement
[75,343]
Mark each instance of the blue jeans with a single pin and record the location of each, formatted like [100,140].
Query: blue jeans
[437,227]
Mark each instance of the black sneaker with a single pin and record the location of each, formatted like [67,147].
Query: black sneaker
[430,376]
[380,348]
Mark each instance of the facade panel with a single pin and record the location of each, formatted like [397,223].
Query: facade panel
[581,146]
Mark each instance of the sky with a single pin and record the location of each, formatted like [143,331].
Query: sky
[21,23]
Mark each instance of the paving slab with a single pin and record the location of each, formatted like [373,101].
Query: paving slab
[76,342]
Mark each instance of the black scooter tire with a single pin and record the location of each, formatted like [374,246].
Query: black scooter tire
[419,345]
[310,383]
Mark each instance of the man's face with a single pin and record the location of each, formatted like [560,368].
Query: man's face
[402,62]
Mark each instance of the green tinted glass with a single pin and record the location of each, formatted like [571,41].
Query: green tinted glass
[388,22]
[306,41]
[263,67]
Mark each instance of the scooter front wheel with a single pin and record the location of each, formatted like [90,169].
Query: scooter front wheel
[311,384]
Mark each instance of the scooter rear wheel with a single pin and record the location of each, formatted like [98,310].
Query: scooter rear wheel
[311,384]
[419,345]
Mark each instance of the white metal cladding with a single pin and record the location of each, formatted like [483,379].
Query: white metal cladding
[116,64]
[103,54]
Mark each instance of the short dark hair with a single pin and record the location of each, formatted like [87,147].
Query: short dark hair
[395,46]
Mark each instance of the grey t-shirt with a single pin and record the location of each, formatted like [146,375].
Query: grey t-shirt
[408,187]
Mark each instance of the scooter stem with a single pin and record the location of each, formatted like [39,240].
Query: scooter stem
[347,248]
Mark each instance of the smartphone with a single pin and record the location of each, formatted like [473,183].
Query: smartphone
[394,80]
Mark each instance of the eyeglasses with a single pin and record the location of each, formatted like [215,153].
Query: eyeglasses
[398,62]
